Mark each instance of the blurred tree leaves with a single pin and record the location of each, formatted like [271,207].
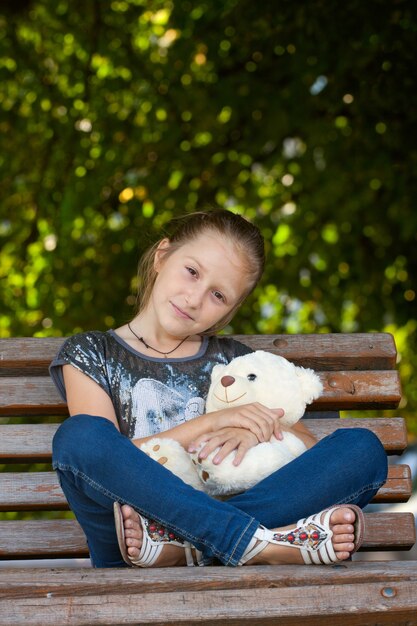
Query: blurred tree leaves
[116,116]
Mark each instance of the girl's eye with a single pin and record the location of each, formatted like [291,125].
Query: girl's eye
[251,376]
[218,295]
[192,271]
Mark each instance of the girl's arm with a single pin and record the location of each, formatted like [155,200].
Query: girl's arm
[304,434]
[85,396]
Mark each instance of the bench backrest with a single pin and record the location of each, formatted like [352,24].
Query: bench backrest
[358,371]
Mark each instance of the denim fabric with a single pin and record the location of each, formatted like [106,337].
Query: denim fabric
[96,466]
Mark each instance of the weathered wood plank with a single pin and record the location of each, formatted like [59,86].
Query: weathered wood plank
[341,390]
[398,487]
[28,356]
[387,524]
[26,442]
[283,600]
[391,431]
[64,538]
[32,583]
[330,351]
[31,491]
[32,442]
[30,395]
[345,605]
[61,538]
[359,390]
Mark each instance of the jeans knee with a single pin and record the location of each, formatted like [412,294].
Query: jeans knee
[368,450]
[78,436]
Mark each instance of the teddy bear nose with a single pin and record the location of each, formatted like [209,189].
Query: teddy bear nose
[226,381]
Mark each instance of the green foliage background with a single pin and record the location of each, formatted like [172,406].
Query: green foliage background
[117,115]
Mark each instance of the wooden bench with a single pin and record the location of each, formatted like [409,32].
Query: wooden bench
[358,372]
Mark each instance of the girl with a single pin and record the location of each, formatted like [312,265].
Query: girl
[149,378]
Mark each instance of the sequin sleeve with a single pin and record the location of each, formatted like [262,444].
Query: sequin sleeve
[86,352]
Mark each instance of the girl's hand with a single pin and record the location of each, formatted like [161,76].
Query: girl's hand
[227,439]
[255,417]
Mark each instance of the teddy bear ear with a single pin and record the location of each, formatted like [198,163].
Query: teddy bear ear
[310,383]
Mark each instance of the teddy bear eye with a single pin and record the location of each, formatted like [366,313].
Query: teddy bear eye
[251,376]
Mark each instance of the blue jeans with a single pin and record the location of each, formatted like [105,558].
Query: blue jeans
[97,466]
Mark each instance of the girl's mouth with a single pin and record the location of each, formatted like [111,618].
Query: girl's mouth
[180,312]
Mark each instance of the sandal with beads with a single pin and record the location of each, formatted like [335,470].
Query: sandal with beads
[312,536]
[154,538]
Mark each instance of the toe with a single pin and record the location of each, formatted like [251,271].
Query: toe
[343,515]
[127,511]
[338,539]
[343,551]
[133,542]
[342,556]
[346,546]
[343,529]
[133,552]
[131,519]
[131,523]
[133,532]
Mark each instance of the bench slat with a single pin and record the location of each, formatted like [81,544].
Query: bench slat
[359,390]
[398,487]
[27,356]
[61,538]
[392,431]
[347,605]
[26,443]
[31,491]
[330,351]
[342,390]
[32,583]
[64,538]
[32,442]
[27,396]
[353,594]
[34,491]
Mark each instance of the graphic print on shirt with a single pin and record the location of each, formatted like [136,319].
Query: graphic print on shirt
[156,407]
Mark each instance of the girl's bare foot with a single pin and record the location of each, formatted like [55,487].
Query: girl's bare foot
[341,523]
[170,555]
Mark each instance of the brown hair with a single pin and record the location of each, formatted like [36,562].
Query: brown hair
[184,229]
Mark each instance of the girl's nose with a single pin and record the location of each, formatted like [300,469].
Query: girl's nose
[195,298]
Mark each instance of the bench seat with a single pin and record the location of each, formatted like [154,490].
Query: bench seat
[358,372]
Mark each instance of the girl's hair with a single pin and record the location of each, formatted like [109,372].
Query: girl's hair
[182,230]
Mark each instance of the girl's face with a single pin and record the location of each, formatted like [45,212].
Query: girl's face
[198,284]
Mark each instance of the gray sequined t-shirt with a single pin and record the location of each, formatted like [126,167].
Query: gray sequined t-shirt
[149,395]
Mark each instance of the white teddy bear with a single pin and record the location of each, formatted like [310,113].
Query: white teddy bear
[256,377]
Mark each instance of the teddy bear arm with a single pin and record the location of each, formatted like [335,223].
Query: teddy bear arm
[173,457]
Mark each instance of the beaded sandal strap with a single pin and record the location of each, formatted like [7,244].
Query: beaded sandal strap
[312,536]
[309,536]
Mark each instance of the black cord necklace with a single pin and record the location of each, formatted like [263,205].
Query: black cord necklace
[141,339]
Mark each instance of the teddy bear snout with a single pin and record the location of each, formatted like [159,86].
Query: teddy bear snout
[226,381]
